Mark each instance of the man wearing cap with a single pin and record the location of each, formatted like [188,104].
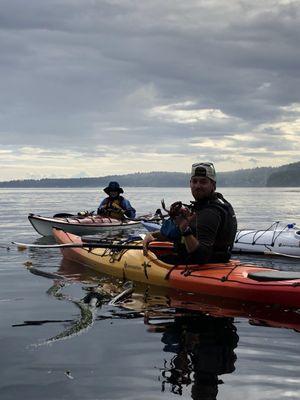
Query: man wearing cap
[115,206]
[206,229]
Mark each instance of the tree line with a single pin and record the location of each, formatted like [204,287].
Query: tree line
[286,175]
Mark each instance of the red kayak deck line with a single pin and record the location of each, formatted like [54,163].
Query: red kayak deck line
[228,280]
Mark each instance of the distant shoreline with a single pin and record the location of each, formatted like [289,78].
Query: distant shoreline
[284,176]
[219,187]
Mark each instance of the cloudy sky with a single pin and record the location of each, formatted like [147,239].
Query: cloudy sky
[98,87]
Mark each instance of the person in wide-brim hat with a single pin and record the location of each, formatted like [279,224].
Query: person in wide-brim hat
[113,187]
[115,206]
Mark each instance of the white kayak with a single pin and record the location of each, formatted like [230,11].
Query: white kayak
[281,238]
[87,225]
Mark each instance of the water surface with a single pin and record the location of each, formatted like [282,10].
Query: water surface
[54,348]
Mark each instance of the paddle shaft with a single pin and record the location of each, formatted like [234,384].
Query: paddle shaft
[91,246]
[263,253]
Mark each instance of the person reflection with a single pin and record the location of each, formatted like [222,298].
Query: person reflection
[204,349]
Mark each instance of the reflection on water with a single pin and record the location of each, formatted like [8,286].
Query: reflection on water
[203,349]
[85,321]
[94,297]
[198,329]
[198,333]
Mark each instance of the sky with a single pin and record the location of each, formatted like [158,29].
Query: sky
[94,88]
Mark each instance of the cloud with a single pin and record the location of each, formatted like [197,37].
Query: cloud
[187,113]
[125,81]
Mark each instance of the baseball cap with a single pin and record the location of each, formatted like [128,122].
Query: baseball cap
[204,169]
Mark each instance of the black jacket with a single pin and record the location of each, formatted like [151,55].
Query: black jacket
[214,225]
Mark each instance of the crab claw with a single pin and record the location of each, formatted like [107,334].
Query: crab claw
[163,204]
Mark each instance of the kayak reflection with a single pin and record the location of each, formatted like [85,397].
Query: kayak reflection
[105,297]
[203,348]
[145,299]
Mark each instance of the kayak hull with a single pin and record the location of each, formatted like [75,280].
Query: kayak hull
[238,286]
[80,226]
[228,280]
[281,238]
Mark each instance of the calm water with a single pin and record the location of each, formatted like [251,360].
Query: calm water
[55,347]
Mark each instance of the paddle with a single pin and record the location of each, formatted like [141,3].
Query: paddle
[90,246]
[263,253]
[128,289]
[145,218]
[157,216]
[274,253]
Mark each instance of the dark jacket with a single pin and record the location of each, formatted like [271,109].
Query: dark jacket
[214,225]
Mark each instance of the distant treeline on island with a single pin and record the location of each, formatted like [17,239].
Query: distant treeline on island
[284,176]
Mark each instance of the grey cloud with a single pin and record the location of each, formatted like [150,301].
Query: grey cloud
[69,69]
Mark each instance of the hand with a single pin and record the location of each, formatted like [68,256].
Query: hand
[184,219]
[147,239]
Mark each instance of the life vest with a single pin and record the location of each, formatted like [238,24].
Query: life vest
[227,230]
[113,207]
[229,221]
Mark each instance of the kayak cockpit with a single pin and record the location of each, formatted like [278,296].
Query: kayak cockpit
[267,276]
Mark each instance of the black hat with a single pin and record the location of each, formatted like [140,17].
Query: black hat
[113,187]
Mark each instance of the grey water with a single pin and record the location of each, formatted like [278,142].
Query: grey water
[53,346]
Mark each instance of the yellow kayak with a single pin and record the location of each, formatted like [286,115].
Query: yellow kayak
[125,264]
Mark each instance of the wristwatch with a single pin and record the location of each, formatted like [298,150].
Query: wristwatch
[187,232]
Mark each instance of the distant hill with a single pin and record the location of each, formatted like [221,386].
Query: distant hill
[256,177]
[153,179]
[286,175]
